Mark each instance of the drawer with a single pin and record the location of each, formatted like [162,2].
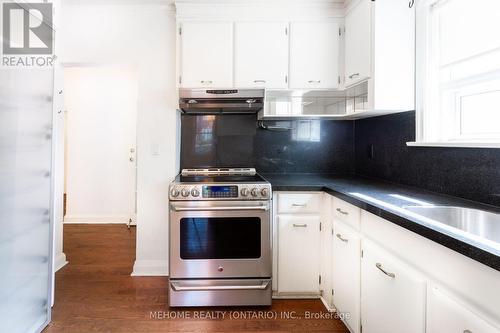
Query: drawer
[346,212]
[299,202]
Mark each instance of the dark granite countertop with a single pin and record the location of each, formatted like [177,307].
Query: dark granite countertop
[388,200]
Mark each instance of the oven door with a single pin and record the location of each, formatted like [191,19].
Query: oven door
[220,239]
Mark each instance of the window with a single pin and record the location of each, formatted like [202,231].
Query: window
[458,72]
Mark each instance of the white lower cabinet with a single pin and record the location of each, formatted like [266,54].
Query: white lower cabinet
[393,294]
[385,279]
[298,254]
[346,273]
[446,313]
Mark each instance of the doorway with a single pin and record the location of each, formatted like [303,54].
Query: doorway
[100,144]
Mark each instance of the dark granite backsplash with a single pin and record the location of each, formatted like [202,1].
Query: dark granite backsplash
[381,152]
[237,140]
[372,147]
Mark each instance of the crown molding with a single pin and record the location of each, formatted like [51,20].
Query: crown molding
[258,9]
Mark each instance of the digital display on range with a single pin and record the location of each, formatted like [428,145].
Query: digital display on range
[220,192]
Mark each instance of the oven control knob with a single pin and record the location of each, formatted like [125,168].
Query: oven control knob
[255,192]
[220,268]
[244,192]
[264,192]
[195,192]
[185,192]
[174,192]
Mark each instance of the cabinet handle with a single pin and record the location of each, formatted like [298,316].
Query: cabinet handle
[379,266]
[207,82]
[300,225]
[342,212]
[259,81]
[299,205]
[314,81]
[353,75]
[410,5]
[339,236]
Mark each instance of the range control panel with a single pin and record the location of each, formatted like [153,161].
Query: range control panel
[220,192]
[217,191]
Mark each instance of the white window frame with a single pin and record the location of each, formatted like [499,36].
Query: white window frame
[430,128]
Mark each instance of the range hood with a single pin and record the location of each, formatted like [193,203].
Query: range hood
[221,101]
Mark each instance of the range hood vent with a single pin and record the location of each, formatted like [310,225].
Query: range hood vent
[221,101]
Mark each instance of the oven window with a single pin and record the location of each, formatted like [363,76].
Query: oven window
[220,238]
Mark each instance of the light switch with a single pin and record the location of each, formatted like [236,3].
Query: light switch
[155,149]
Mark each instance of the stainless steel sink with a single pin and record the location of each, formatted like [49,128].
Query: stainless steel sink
[478,222]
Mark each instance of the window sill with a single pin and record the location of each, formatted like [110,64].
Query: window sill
[455,144]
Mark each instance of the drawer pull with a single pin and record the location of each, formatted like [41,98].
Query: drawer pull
[299,225]
[379,266]
[339,236]
[467,331]
[342,212]
[259,81]
[206,82]
[314,81]
[353,75]
[299,205]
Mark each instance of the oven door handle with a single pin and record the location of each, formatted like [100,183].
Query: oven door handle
[178,287]
[200,209]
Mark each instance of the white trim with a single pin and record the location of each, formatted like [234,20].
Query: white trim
[60,261]
[150,268]
[455,144]
[260,10]
[106,219]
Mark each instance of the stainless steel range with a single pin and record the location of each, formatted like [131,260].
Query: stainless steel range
[220,238]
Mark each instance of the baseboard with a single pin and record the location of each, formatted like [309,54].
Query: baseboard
[150,268]
[60,261]
[328,307]
[119,219]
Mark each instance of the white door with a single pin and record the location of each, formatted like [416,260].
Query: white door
[314,54]
[261,54]
[393,294]
[101,105]
[206,54]
[346,273]
[326,249]
[298,254]
[447,314]
[358,42]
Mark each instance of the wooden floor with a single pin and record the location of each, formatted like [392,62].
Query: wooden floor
[95,293]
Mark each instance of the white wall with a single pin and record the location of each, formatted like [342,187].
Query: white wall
[142,34]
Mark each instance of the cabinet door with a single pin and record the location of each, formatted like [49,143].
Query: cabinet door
[298,254]
[261,54]
[447,314]
[346,273]
[358,42]
[206,54]
[314,54]
[393,294]
[326,285]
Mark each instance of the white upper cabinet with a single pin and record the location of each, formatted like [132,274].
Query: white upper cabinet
[206,54]
[261,54]
[358,42]
[380,52]
[314,54]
